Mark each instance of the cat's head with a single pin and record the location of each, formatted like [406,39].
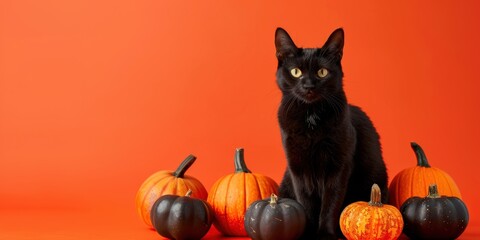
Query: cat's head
[309,74]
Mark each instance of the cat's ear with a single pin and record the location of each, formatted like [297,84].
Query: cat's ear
[334,44]
[284,44]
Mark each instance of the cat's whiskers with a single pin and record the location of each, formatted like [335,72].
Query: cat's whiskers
[290,102]
[335,103]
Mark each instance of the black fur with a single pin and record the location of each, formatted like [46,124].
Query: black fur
[332,148]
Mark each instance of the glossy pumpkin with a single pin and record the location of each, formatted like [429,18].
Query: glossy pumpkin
[167,182]
[435,216]
[176,217]
[414,181]
[275,219]
[232,194]
[371,220]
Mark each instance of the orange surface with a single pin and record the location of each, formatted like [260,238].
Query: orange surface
[97,95]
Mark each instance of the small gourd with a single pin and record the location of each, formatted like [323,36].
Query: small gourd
[371,220]
[435,216]
[181,218]
[275,219]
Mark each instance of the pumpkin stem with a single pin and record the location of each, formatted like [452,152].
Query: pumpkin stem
[375,196]
[184,166]
[273,200]
[240,162]
[421,158]
[189,193]
[433,191]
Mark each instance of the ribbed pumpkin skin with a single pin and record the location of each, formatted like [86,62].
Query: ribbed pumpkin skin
[275,219]
[180,218]
[364,221]
[414,182]
[434,217]
[231,195]
[165,183]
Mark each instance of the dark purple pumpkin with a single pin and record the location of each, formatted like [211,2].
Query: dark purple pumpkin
[435,216]
[177,217]
[275,219]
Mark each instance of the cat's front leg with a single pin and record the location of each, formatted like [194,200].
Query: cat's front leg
[333,197]
[294,187]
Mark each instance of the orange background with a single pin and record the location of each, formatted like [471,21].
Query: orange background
[97,95]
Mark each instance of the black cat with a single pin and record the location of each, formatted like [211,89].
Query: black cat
[333,150]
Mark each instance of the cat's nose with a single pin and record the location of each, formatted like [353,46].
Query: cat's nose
[308,86]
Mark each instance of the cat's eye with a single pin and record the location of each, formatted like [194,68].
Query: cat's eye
[296,72]
[322,72]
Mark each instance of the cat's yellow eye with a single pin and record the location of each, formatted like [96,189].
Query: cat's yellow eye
[296,72]
[322,72]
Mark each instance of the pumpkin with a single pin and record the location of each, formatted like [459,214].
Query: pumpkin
[275,219]
[371,220]
[434,216]
[232,194]
[167,182]
[414,181]
[176,217]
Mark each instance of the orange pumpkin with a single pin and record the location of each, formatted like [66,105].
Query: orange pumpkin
[231,195]
[414,181]
[371,220]
[167,183]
